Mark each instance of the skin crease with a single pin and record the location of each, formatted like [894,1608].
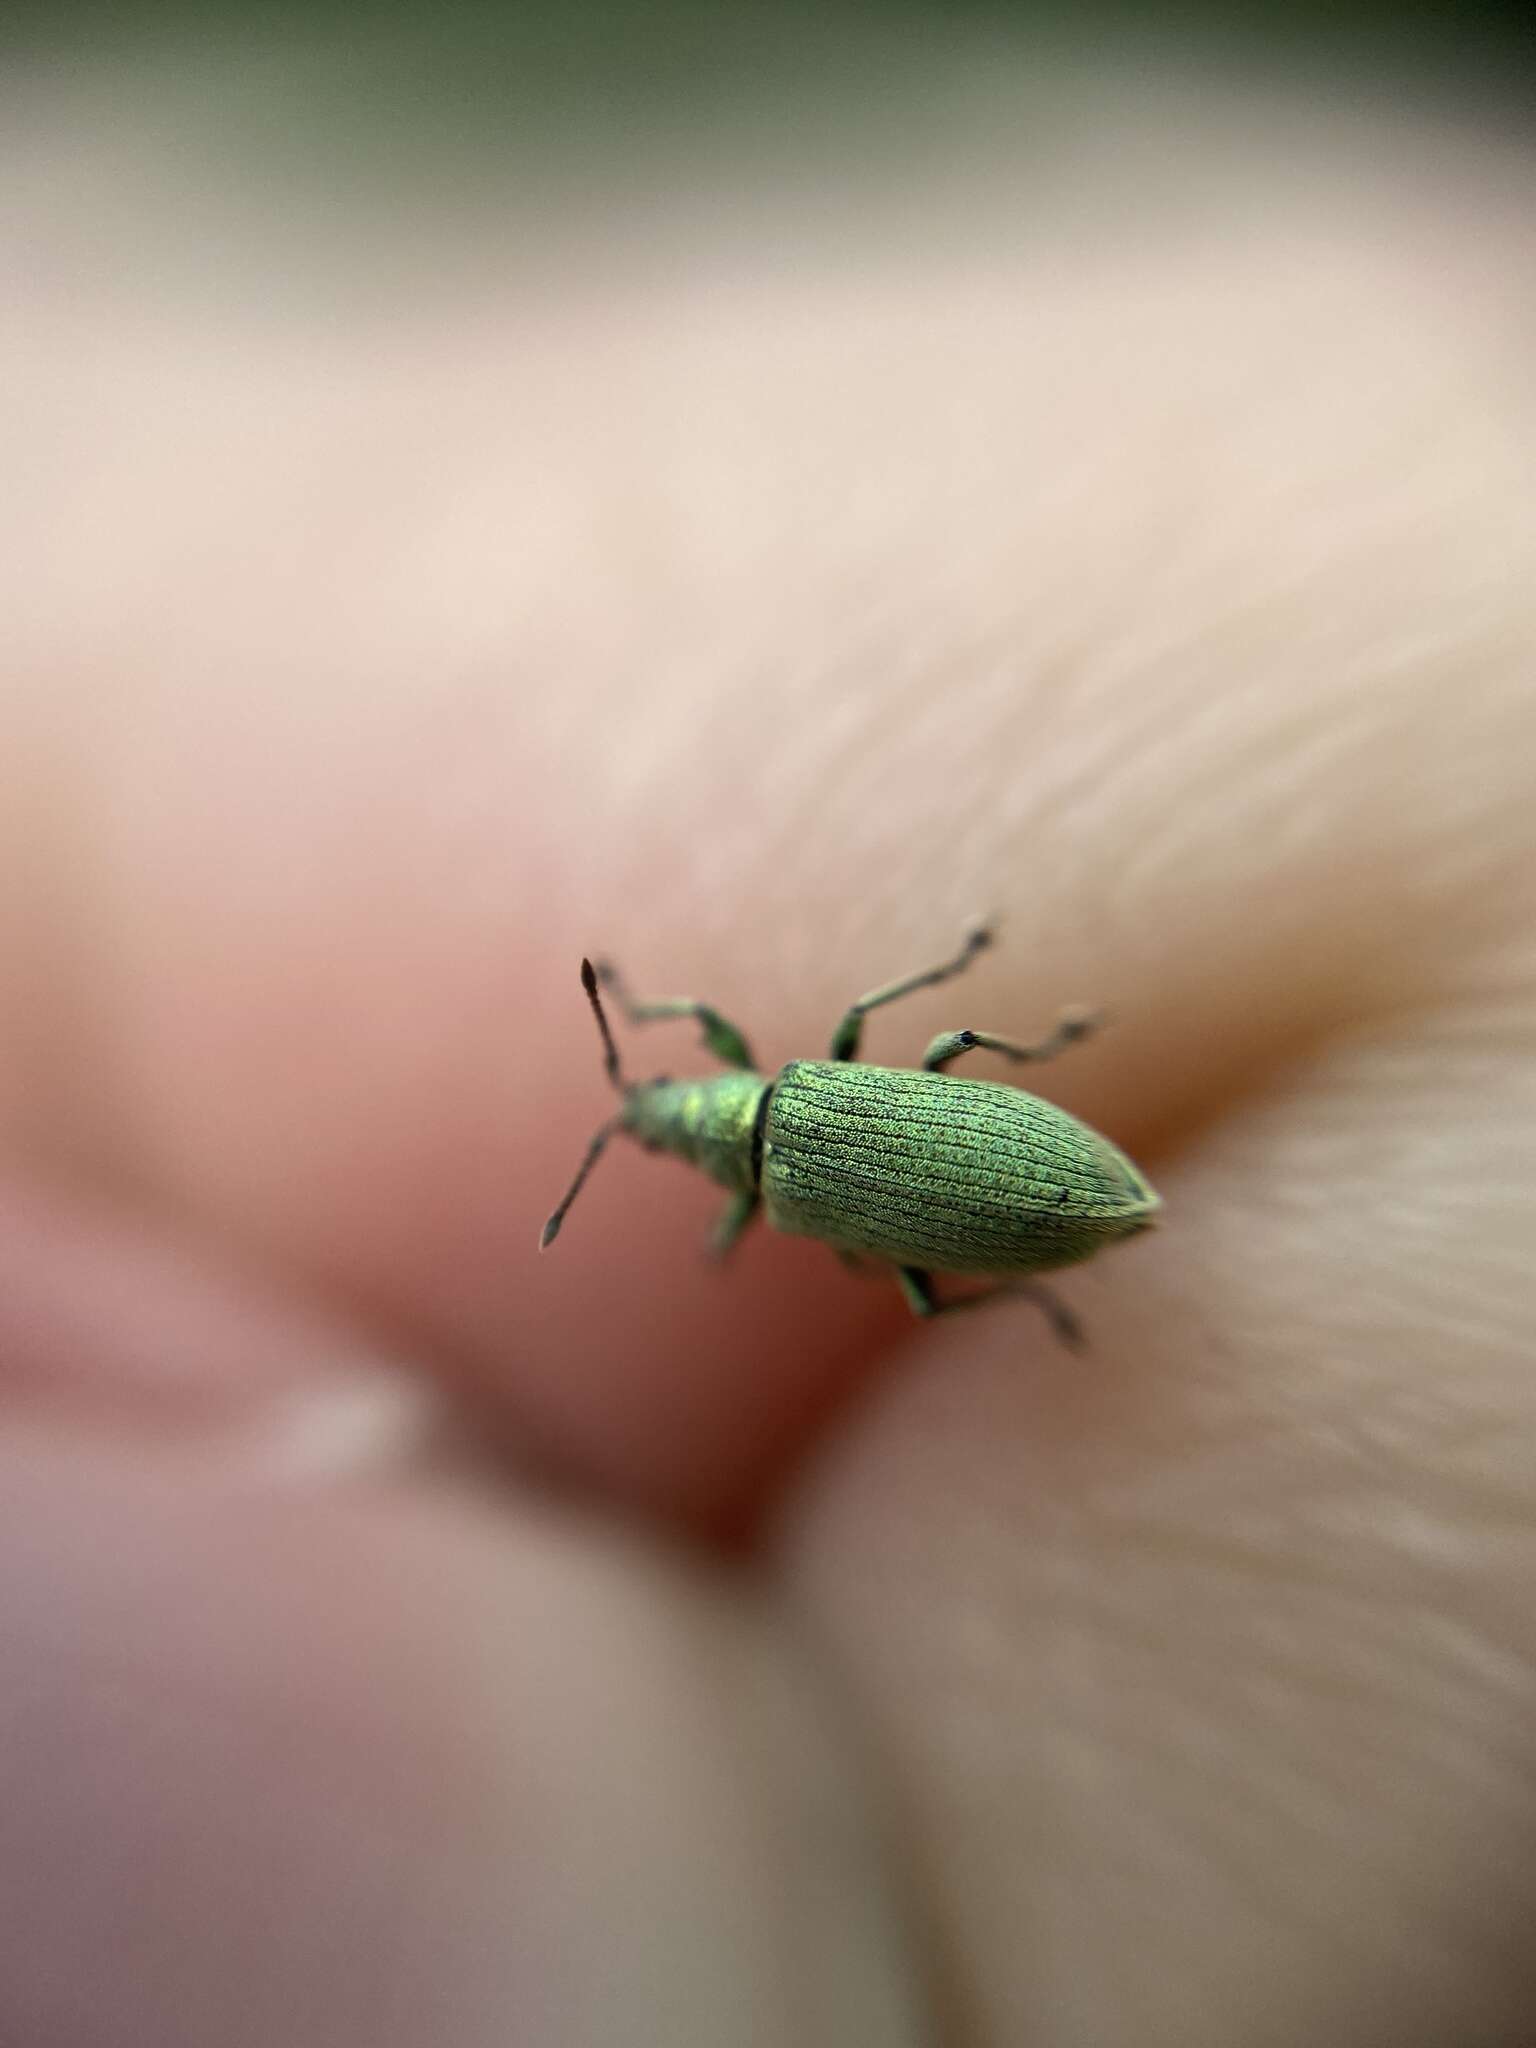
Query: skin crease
[407,1638]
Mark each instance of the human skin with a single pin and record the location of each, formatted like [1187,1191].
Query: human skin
[409,1639]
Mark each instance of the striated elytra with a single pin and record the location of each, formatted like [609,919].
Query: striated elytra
[917,1167]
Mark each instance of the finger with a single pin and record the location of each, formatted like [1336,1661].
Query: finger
[373,1767]
[1206,1664]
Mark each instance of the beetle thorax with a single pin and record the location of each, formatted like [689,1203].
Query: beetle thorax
[709,1122]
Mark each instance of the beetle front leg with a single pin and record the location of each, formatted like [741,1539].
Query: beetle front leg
[846,1038]
[738,1213]
[720,1036]
[917,1290]
[1073,1026]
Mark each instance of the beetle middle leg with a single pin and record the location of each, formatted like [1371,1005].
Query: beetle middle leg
[846,1038]
[1073,1026]
[917,1289]
[720,1036]
[734,1218]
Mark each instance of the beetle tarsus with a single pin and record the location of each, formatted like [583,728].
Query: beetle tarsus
[1072,1026]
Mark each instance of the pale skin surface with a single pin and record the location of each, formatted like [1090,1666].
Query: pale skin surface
[1159,581]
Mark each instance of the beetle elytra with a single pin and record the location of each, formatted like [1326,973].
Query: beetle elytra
[917,1167]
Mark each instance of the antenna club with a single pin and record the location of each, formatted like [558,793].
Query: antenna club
[590,979]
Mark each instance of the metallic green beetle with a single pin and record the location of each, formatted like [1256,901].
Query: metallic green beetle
[916,1167]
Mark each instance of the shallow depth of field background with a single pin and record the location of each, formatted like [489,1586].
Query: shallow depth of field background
[598,410]
[744,490]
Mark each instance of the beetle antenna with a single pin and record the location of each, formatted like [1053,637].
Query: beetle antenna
[611,1065]
[551,1229]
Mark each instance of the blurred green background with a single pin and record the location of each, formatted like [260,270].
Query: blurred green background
[470,79]
[537,118]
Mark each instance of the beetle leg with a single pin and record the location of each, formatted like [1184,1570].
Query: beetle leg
[720,1036]
[735,1217]
[917,1289]
[845,1040]
[949,1045]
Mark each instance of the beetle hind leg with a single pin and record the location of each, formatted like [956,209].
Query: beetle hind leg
[917,1291]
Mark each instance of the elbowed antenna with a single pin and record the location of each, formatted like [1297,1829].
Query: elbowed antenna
[551,1229]
[610,1051]
[615,1074]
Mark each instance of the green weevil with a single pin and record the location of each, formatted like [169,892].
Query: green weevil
[915,1167]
